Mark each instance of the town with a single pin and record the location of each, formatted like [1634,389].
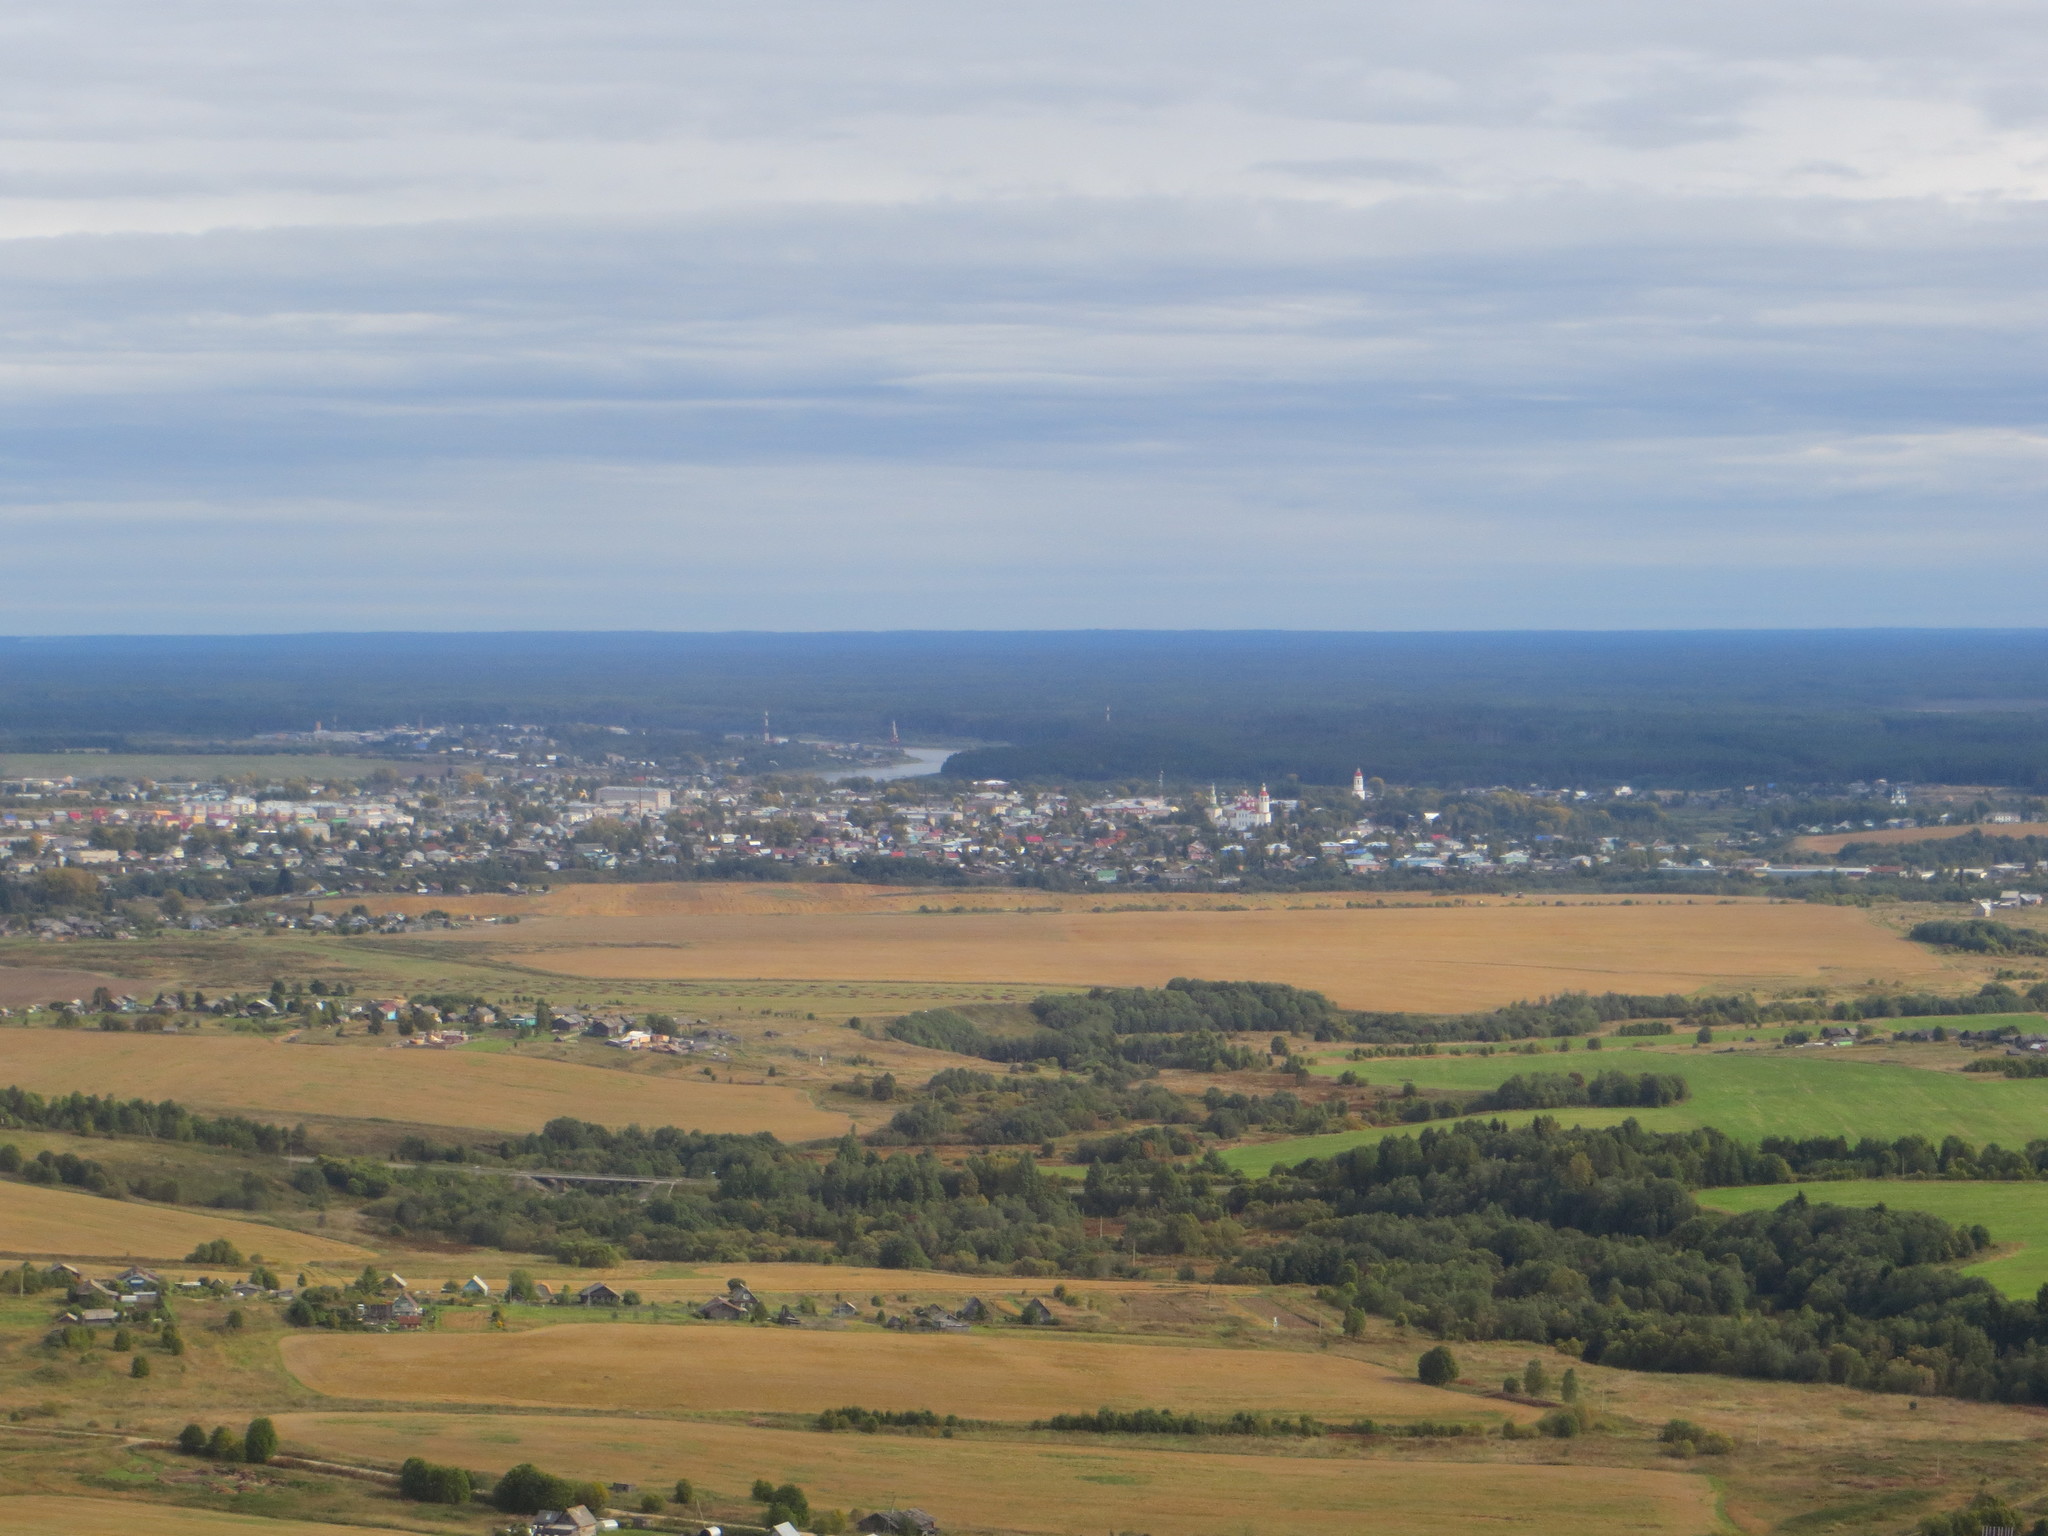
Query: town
[502,810]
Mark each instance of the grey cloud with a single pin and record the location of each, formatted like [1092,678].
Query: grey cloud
[1057,317]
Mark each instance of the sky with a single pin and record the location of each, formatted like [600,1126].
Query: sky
[886,314]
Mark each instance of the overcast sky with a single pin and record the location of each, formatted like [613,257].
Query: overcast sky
[883,314]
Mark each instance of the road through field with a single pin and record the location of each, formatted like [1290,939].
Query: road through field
[1046,1489]
[482,1091]
[1424,957]
[1012,1376]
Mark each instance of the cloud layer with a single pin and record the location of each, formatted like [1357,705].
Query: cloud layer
[828,316]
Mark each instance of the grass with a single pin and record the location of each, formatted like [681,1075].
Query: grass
[63,1223]
[1049,1489]
[480,1091]
[129,1517]
[1009,1375]
[1421,957]
[2014,1213]
[1748,1095]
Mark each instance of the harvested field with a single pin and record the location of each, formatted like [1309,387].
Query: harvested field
[1835,842]
[127,1517]
[778,1370]
[1435,957]
[65,1223]
[30,985]
[472,1090]
[1051,1490]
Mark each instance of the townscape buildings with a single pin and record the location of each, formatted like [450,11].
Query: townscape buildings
[497,810]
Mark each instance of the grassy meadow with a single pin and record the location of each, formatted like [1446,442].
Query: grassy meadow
[1750,1094]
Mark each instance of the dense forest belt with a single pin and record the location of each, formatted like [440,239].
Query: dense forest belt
[1474,1230]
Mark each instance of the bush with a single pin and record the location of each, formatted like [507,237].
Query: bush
[138,1367]
[1985,1509]
[192,1440]
[426,1483]
[259,1441]
[223,1446]
[686,1491]
[526,1490]
[219,1251]
[1438,1367]
[1682,1437]
[1565,1423]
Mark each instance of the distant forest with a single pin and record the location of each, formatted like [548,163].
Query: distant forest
[1673,709]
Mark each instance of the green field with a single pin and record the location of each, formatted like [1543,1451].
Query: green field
[1749,1095]
[184,767]
[2013,1213]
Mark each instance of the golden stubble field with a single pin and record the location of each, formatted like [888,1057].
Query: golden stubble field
[1039,1489]
[470,1090]
[1835,842]
[1440,957]
[68,1223]
[1009,1377]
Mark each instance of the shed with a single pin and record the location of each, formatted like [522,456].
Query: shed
[720,1310]
[598,1294]
[900,1522]
[1035,1311]
[577,1521]
[477,1285]
[975,1311]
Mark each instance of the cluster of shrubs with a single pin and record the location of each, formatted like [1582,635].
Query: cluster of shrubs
[48,1167]
[257,1443]
[1414,1429]
[425,1483]
[1682,1437]
[1980,936]
[868,1421]
[1556,1090]
[527,1490]
[1984,1512]
[1164,1421]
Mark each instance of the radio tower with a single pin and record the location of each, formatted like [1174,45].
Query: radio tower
[767,737]
[894,739]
